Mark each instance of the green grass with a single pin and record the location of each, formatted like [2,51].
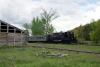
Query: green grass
[68,46]
[26,57]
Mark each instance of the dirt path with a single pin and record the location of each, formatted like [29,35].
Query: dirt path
[70,50]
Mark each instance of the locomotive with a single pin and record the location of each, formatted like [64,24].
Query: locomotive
[60,37]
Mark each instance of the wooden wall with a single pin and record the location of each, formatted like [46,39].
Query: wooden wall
[16,39]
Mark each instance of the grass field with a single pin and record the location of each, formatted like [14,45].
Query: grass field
[26,57]
[68,46]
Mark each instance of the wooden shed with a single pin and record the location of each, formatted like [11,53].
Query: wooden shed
[12,35]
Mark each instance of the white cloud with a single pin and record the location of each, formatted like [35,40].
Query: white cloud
[94,14]
[71,12]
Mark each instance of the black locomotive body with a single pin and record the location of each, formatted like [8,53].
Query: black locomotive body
[62,37]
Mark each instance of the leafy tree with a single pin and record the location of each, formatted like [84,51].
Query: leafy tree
[38,26]
[86,31]
[95,33]
[42,25]
[78,31]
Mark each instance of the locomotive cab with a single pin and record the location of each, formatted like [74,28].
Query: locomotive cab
[69,37]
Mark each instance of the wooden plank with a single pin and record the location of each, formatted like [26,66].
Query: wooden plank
[3,35]
[14,36]
[2,44]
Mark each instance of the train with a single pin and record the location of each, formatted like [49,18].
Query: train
[59,37]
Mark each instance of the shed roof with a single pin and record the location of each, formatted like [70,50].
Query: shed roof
[11,26]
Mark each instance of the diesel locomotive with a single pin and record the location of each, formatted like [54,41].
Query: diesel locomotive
[60,37]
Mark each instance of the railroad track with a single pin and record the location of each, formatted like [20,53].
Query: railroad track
[70,50]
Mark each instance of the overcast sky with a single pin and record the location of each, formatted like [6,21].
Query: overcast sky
[72,13]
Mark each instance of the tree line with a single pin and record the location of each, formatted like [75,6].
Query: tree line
[88,32]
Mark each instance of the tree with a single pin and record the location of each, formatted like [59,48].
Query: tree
[38,26]
[95,33]
[42,25]
[48,16]
[27,26]
[78,31]
[86,31]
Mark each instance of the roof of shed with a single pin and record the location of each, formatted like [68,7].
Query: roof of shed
[11,26]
